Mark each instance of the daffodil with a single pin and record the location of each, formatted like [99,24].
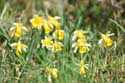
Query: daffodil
[52,71]
[82,49]
[47,28]
[19,47]
[47,42]
[18,28]
[57,24]
[54,21]
[79,34]
[82,71]
[59,34]
[57,46]
[81,46]
[106,41]
[83,68]
[37,21]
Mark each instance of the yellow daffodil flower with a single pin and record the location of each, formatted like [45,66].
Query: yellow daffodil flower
[54,21]
[78,43]
[59,34]
[57,24]
[19,47]
[83,66]
[106,41]
[37,21]
[82,71]
[79,34]
[47,29]
[57,46]
[52,71]
[81,46]
[82,49]
[18,28]
[47,42]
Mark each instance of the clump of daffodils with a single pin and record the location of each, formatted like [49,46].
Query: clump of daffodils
[105,40]
[19,46]
[83,67]
[51,26]
[54,35]
[52,72]
[80,42]
[48,24]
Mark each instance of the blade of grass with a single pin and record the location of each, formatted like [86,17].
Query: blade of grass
[3,12]
[115,22]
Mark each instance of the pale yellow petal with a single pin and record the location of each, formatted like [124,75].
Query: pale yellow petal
[13,44]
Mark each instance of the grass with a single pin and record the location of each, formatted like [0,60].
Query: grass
[105,65]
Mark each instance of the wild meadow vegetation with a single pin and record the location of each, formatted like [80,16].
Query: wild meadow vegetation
[62,41]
